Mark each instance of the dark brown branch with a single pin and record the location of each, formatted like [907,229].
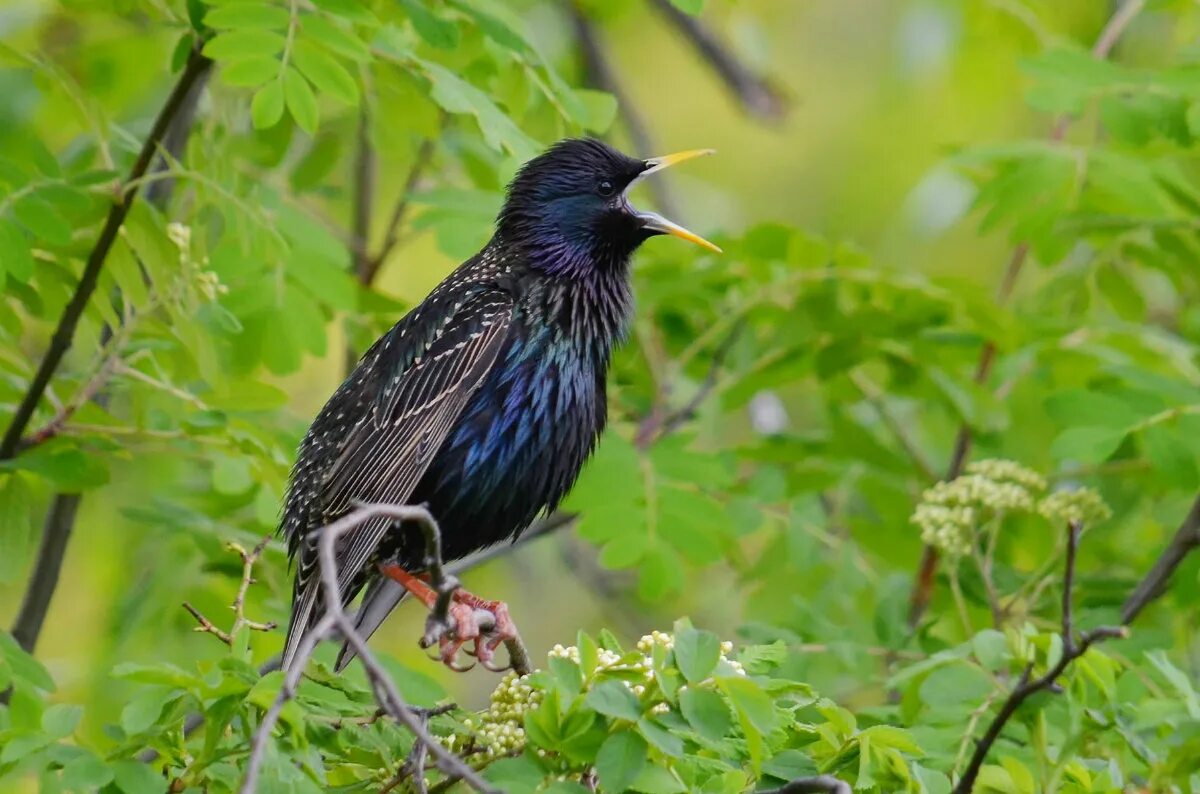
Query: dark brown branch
[336,620]
[659,424]
[599,73]
[922,590]
[821,784]
[56,531]
[64,334]
[754,93]
[391,238]
[1153,585]
[1072,648]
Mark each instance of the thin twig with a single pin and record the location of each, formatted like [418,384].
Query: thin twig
[424,156]
[64,333]
[240,621]
[753,92]
[661,423]
[922,590]
[335,618]
[1153,585]
[878,401]
[1072,648]
[206,625]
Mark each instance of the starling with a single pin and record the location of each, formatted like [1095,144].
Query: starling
[483,402]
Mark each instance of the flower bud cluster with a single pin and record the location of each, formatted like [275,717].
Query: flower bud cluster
[1084,505]
[499,730]
[206,281]
[950,512]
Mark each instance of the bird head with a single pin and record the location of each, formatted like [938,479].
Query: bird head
[569,210]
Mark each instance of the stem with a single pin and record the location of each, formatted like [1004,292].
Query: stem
[1186,539]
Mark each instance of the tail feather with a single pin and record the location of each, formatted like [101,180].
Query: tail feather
[300,625]
[383,595]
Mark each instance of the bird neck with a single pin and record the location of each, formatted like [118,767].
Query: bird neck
[545,248]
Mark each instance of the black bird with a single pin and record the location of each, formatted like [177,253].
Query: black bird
[485,400]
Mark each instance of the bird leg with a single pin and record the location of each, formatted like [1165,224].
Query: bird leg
[470,619]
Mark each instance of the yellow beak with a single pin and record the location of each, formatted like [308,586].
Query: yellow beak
[657,223]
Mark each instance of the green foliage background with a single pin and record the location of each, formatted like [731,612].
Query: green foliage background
[866,233]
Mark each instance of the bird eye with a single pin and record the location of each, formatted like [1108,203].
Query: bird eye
[606,188]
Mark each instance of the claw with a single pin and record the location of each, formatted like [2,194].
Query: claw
[462,623]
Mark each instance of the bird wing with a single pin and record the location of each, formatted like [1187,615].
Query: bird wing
[387,453]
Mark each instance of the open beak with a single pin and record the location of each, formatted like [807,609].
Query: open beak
[654,222]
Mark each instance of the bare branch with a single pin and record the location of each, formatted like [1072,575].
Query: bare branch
[336,619]
[1186,540]
[206,625]
[1072,648]
[659,423]
[366,276]
[240,621]
[926,573]
[755,94]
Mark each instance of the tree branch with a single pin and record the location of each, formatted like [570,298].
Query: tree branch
[240,621]
[64,334]
[922,590]
[1072,649]
[336,619]
[1153,585]
[391,238]
[755,94]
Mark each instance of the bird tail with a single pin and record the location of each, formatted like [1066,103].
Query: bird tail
[304,618]
[383,595]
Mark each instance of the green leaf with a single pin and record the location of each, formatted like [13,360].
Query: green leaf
[16,256]
[658,779]
[661,738]
[69,468]
[300,100]
[614,699]
[142,712]
[43,221]
[1171,456]
[23,666]
[1092,408]
[749,700]
[247,15]
[599,109]
[620,760]
[61,719]
[441,33]
[266,109]
[329,76]
[86,773]
[455,95]
[251,72]
[1087,444]
[134,778]
[336,39]
[242,44]
[696,653]
[706,711]
[991,649]
[689,6]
